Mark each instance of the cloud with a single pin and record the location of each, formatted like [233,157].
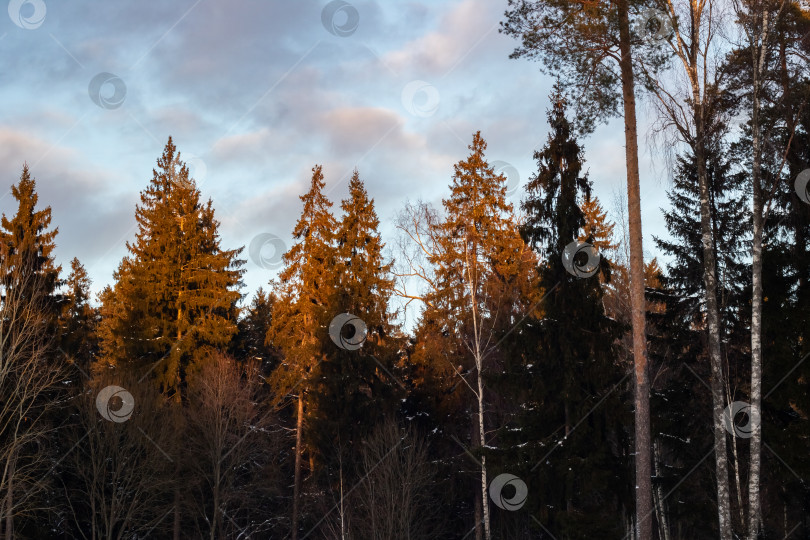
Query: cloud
[460,31]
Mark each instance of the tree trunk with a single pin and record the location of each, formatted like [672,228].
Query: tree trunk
[713,322]
[176,535]
[297,483]
[663,522]
[479,513]
[756,300]
[482,439]
[644,508]
[9,502]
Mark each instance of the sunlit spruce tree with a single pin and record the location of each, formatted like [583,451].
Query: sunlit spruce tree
[567,439]
[303,312]
[356,388]
[175,293]
[482,270]
[27,243]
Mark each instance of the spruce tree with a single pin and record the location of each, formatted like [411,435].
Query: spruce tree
[303,313]
[250,342]
[356,388]
[78,319]
[26,243]
[483,271]
[566,440]
[175,294]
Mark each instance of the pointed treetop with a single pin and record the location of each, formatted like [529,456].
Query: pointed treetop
[26,244]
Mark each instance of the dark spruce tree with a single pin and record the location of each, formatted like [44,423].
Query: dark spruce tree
[250,342]
[78,319]
[568,437]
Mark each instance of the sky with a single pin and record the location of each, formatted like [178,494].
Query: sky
[256,92]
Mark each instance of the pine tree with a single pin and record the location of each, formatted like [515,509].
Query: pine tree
[26,243]
[567,438]
[175,294]
[303,314]
[591,49]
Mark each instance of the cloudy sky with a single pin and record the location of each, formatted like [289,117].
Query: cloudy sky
[254,93]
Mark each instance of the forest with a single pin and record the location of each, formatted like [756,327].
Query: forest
[555,383]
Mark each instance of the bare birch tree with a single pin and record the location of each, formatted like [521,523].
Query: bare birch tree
[688,101]
[475,269]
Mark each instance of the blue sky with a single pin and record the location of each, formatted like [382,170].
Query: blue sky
[254,93]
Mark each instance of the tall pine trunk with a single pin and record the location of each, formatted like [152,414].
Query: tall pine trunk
[644,507]
[299,422]
[713,322]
